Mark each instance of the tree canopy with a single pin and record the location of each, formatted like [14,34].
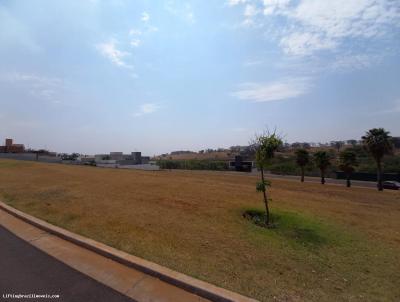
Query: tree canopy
[378,142]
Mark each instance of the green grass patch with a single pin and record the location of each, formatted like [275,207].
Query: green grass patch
[297,229]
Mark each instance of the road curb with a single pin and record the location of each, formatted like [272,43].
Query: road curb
[190,284]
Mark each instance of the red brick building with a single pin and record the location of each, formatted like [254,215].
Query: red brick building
[12,148]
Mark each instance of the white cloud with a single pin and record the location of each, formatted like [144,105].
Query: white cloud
[235,2]
[253,62]
[273,91]
[250,10]
[36,80]
[310,26]
[139,34]
[275,6]
[349,62]
[305,43]
[145,17]
[190,17]
[182,10]
[325,24]
[247,22]
[40,87]
[147,108]
[135,32]
[341,18]
[116,56]
[135,42]
[151,28]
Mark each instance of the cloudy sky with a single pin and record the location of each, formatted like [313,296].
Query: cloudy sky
[156,76]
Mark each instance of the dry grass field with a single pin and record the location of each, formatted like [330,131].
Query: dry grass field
[331,244]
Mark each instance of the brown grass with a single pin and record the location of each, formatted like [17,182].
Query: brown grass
[331,244]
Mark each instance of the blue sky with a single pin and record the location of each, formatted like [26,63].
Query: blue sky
[156,76]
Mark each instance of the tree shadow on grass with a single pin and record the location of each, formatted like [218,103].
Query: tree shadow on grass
[295,228]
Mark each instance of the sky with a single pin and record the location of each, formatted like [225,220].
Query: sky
[94,76]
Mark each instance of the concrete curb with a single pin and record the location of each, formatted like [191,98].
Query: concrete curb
[195,286]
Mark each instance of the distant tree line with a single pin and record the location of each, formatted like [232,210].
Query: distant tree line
[193,164]
[376,142]
[249,153]
[286,163]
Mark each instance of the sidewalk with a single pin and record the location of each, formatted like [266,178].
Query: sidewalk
[137,284]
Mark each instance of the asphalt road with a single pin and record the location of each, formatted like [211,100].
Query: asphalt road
[26,270]
[357,183]
[330,181]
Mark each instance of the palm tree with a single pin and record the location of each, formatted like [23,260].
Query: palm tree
[265,146]
[302,160]
[322,161]
[337,145]
[348,162]
[378,143]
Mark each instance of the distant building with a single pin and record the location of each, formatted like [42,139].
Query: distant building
[240,165]
[86,160]
[118,158]
[10,147]
[145,160]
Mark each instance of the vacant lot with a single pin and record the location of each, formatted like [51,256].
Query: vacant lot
[331,244]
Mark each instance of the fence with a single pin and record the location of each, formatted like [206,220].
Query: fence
[31,157]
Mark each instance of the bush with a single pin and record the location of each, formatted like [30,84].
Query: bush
[194,164]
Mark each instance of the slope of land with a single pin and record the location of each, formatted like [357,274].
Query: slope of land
[331,244]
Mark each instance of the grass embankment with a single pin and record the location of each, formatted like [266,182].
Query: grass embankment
[331,244]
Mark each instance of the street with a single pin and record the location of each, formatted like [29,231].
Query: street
[26,270]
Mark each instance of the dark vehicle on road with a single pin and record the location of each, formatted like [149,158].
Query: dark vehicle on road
[391,185]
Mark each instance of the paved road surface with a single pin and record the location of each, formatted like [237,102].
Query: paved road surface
[26,270]
[358,183]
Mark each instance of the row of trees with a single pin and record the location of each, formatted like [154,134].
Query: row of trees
[377,142]
[322,160]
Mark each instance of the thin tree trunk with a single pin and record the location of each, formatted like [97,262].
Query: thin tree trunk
[380,186]
[348,182]
[302,174]
[322,177]
[265,198]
